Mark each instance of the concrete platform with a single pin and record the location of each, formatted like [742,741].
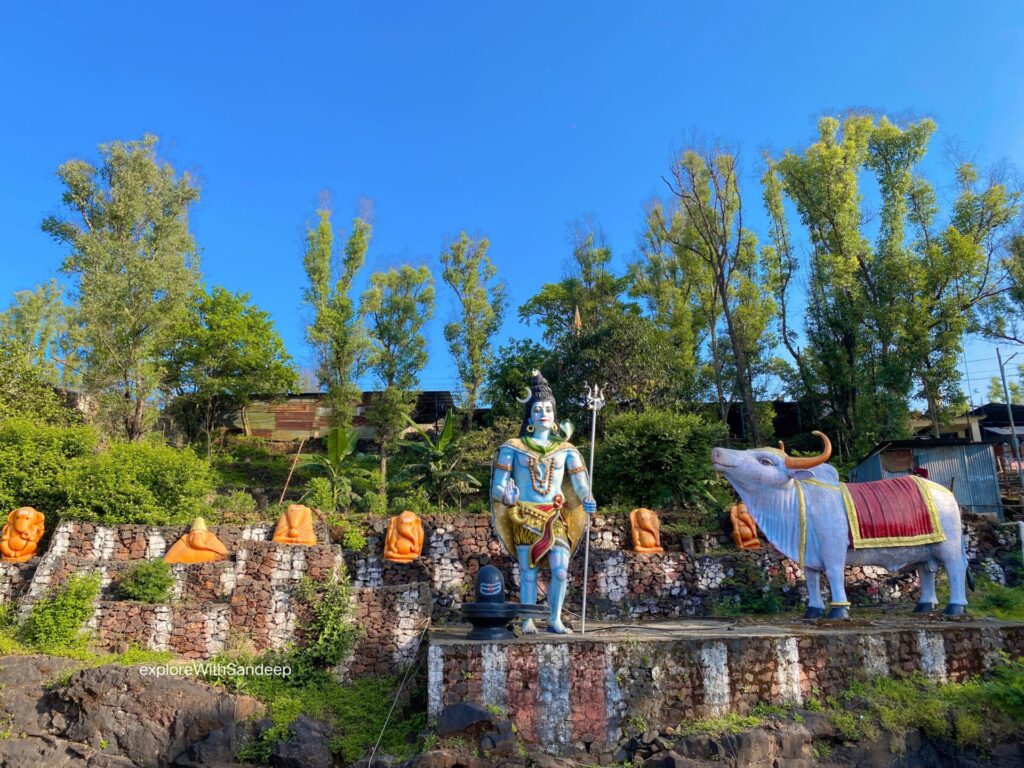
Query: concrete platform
[577,693]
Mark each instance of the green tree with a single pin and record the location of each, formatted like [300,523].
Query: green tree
[885,320]
[25,391]
[37,324]
[135,265]
[997,395]
[224,352]
[510,372]
[395,307]
[470,274]
[706,222]
[339,468]
[436,464]
[336,331]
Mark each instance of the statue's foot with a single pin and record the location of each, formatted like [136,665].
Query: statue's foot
[925,607]
[814,613]
[839,612]
[528,627]
[558,628]
[955,609]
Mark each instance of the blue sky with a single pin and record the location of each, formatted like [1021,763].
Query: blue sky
[500,119]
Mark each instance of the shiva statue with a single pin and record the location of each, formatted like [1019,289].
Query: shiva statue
[540,499]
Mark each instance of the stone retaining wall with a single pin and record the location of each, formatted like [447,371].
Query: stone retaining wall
[583,695]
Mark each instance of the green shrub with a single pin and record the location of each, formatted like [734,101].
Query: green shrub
[658,457]
[33,459]
[55,621]
[144,483]
[330,632]
[236,507]
[26,393]
[147,582]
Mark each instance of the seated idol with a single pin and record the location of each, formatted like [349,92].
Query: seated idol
[540,499]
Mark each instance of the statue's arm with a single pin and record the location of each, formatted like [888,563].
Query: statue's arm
[578,475]
[502,472]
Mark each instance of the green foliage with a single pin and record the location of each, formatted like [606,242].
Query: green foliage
[748,592]
[470,274]
[336,333]
[226,350]
[56,620]
[233,508]
[716,726]
[435,465]
[37,326]
[34,461]
[147,582]
[329,632]
[334,491]
[135,266]
[655,457]
[26,392]
[138,483]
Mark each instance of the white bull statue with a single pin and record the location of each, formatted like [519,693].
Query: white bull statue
[808,515]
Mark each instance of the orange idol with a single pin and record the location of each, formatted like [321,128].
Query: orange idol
[296,526]
[21,534]
[404,542]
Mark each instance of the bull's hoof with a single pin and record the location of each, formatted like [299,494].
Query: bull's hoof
[955,609]
[814,613]
[839,612]
[925,607]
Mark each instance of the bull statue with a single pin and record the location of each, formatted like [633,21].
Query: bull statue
[810,517]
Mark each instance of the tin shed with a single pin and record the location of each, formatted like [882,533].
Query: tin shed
[968,468]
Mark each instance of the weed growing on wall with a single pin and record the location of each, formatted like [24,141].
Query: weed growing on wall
[330,631]
[148,582]
[55,621]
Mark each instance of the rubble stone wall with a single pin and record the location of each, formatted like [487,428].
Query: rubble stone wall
[583,696]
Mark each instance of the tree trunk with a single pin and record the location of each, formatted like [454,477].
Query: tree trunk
[384,467]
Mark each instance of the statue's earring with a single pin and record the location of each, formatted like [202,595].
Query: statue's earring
[529,428]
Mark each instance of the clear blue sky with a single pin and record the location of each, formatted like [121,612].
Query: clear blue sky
[509,120]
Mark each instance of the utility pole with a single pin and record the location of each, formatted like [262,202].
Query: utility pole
[1009,412]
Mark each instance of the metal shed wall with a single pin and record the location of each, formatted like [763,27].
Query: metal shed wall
[974,467]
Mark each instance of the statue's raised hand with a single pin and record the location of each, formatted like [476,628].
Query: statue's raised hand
[510,494]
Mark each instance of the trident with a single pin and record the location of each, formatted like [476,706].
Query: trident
[595,402]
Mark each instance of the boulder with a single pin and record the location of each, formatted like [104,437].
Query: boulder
[464,717]
[308,745]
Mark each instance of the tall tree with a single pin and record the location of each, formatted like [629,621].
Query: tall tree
[226,351]
[336,331]
[470,274]
[135,265]
[707,222]
[886,319]
[37,324]
[395,307]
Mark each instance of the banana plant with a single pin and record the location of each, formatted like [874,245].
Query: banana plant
[435,464]
[338,465]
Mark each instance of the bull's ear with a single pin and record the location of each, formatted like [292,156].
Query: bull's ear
[802,474]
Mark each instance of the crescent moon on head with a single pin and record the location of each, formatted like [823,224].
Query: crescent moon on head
[525,399]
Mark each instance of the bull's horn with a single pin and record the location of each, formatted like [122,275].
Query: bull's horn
[794,462]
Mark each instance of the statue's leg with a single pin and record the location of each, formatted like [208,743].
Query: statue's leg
[558,560]
[815,605]
[927,600]
[527,585]
[955,563]
[840,606]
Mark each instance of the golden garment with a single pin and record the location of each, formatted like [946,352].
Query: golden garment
[568,526]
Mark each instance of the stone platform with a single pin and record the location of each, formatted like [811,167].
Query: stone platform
[585,693]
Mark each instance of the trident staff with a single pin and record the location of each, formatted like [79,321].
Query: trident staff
[595,402]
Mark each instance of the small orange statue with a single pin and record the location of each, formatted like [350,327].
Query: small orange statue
[296,526]
[744,529]
[199,545]
[646,531]
[404,542]
[21,534]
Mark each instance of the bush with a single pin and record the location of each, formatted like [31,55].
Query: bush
[330,632]
[25,392]
[145,483]
[148,582]
[236,507]
[33,459]
[55,622]
[658,457]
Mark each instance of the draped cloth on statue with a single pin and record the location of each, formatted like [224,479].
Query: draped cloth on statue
[898,512]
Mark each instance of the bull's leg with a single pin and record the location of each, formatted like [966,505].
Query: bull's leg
[956,569]
[839,608]
[815,605]
[927,601]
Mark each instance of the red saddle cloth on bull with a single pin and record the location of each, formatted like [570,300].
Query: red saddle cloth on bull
[899,512]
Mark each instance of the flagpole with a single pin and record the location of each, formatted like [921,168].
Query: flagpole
[595,401]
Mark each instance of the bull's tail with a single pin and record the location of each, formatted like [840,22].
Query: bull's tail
[967,566]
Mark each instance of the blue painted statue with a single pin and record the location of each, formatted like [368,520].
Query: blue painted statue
[537,484]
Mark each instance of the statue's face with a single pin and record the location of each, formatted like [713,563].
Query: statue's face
[542,415]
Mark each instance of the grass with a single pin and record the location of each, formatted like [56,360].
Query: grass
[356,710]
[716,726]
